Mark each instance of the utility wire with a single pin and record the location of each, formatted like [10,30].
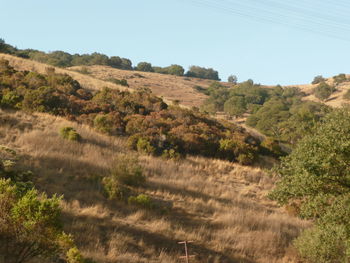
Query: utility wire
[273,12]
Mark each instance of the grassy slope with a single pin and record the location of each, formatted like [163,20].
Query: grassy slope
[335,100]
[219,205]
[167,86]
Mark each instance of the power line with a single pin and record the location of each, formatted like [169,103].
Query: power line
[281,14]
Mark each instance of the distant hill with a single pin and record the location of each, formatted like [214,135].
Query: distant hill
[169,87]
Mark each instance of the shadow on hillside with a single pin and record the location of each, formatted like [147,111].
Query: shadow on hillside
[173,189]
[143,239]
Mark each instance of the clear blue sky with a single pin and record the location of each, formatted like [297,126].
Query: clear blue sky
[269,41]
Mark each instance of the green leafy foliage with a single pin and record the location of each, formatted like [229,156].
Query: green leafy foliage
[176,70]
[316,178]
[126,172]
[340,78]
[323,91]
[204,73]
[144,66]
[235,106]
[232,79]
[318,79]
[122,82]
[151,125]
[142,200]
[70,133]
[30,224]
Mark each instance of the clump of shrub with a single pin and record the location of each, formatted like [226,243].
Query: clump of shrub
[241,152]
[318,79]
[70,133]
[323,91]
[122,82]
[126,172]
[152,126]
[144,146]
[103,124]
[272,146]
[340,78]
[171,154]
[204,73]
[142,200]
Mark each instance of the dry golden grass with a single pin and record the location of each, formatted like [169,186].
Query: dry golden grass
[85,80]
[336,100]
[167,86]
[221,206]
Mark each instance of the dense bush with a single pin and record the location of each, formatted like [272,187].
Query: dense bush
[30,225]
[125,172]
[171,70]
[323,91]
[64,59]
[340,78]
[141,200]
[204,73]
[152,126]
[70,133]
[318,79]
[144,66]
[315,177]
[122,82]
[286,117]
[232,79]
[235,106]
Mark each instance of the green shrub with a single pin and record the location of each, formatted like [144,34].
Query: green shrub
[232,79]
[42,99]
[272,146]
[103,124]
[74,256]
[31,222]
[122,82]
[204,73]
[144,66]
[144,146]
[141,200]
[114,189]
[70,133]
[323,91]
[171,154]
[246,158]
[324,244]
[125,172]
[235,106]
[10,99]
[318,79]
[340,78]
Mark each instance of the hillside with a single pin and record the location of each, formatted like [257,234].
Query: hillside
[86,81]
[170,87]
[335,100]
[167,86]
[219,205]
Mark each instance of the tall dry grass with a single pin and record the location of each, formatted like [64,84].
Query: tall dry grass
[221,206]
[169,87]
[86,81]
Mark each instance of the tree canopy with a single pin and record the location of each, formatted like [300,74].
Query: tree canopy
[315,178]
